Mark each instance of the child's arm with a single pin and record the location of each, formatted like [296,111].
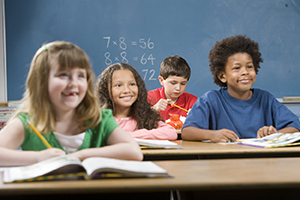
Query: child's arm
[267,130]
[161,105]
[222,135]
[162,132]
[121,146]
[11,137]
[288,130]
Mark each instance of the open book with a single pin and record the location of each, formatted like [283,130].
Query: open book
[91,168]
[157,144]
[273,140]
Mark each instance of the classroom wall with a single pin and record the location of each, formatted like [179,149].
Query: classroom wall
[144,32]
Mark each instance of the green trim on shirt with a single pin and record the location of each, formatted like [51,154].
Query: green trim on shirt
[94,137]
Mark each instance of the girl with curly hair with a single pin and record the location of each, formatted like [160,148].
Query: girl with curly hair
[237,110]
[121,89]
[60,102]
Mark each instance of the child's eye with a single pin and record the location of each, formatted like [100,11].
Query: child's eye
[118,85]
[63,74]
[250,66]
[81,75]
[132,84]
[183,83]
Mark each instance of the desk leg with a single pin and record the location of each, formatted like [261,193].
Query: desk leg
[175,195]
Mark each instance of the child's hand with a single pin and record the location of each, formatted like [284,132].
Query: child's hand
[49,153]
[78,154]
[265,131]
[161,104]
[224,135]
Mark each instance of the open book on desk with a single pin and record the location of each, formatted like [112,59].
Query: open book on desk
[67,167]
[273,140]
[157,144]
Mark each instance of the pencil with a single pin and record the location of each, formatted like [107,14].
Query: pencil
[179,107]
[38,134]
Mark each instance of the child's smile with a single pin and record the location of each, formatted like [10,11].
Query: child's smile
[244,80]
[70,93]
[239,75]
[126,98]
[124,89]
[66,88]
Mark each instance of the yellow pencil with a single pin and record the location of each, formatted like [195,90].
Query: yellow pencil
[38,134]
[179,107]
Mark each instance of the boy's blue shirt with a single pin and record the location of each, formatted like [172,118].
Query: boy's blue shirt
[216,110]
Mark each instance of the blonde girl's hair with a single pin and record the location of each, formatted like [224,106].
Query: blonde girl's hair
[36,101]
[141,110]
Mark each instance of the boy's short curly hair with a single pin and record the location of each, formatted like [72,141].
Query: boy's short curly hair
[219,54]
[175,66]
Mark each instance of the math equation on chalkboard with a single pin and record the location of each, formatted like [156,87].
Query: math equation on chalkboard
[136,52]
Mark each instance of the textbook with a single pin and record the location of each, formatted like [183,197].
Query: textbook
[157,144]
[64,167]
[273,140]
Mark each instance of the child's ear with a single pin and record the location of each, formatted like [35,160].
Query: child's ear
[161,80]
[222,77]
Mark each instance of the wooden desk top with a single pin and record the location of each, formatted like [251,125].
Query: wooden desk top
[188,175]
[207,149]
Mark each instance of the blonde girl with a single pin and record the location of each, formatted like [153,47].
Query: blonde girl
[60,102]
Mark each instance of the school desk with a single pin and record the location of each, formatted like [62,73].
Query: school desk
[257,178]
[204,150]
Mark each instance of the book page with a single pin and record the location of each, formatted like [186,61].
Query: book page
[38,169]
[158,143]
[274,139]
[98,165]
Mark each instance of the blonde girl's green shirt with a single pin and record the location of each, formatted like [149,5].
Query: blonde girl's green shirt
[94,137]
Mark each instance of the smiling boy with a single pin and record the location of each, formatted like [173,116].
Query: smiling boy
[237,110]
[174,76]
